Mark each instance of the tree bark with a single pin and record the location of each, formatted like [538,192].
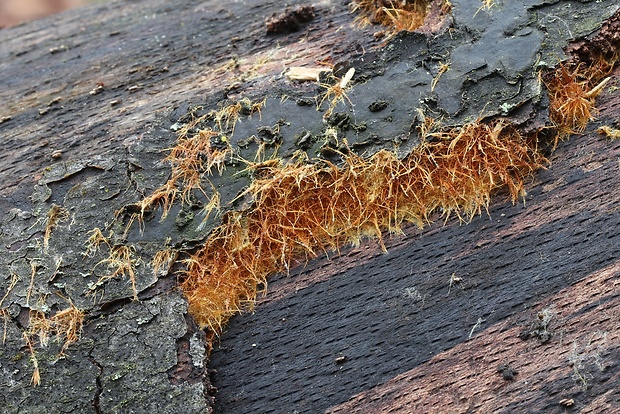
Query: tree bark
[515,311]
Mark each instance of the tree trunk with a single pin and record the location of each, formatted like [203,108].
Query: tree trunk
[515,311]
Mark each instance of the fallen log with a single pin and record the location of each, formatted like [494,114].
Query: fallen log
[516,310]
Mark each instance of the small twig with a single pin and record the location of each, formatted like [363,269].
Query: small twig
[479,322]
[597,89]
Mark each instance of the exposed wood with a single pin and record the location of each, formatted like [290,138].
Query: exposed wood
[516,311]
[425,327]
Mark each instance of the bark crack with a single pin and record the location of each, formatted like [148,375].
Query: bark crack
[99,391]
[192,361]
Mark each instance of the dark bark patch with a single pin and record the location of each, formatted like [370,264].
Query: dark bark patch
[291,20]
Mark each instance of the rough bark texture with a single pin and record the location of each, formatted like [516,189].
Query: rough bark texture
[514,312]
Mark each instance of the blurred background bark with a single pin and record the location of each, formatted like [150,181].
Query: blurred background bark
[13,12]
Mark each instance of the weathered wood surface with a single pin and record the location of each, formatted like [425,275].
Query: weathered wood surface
[411,341]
